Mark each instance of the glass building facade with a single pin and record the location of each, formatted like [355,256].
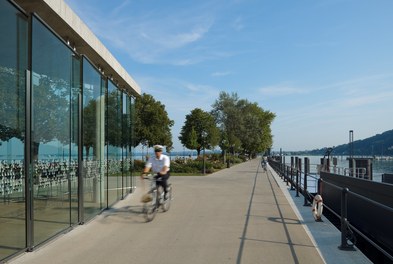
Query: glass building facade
[65,134]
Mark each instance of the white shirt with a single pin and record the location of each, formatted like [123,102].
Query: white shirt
[158,164]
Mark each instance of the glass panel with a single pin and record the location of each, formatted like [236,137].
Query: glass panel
[126,145]
[131,137]
[73,175]
[13,63]
[93,137]
[53,168]
[114,149]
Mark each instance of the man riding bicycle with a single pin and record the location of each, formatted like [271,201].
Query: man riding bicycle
[264,162]
[159,164]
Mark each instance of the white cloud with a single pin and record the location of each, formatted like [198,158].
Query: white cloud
[279,90]
[370,99]
[317,44]
[179,95]
[155,37]
[219,74]
[362,104]
[166,36]
[237,24]
[156,41]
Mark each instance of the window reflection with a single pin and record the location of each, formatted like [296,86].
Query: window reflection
[53,173]
[13,41]
[93,136]
[54,164]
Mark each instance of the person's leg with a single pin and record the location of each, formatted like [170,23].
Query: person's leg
[165,183]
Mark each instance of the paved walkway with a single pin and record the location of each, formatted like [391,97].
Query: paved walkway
[237,215]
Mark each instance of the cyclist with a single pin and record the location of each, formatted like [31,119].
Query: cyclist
[264,162]
[159,164]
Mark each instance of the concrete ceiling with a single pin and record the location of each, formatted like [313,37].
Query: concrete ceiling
[68,26]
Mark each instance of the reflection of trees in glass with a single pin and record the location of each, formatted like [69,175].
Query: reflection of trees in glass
[51,111]
[90,126]
[114,118]
[127,127]
[12,104]
[118,124]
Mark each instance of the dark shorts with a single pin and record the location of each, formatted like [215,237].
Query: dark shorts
[164,180]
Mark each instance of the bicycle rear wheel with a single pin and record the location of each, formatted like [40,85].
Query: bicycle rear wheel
[167,203]
[150,208]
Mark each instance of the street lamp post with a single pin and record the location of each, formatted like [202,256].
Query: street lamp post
[223,146]
[350,144]
[204,165]
[204,134]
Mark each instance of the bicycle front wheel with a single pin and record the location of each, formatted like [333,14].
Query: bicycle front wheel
[150,208]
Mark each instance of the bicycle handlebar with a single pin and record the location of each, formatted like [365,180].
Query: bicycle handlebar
[151,177]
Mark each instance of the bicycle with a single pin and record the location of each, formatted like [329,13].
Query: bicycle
[264,166]
[156,198]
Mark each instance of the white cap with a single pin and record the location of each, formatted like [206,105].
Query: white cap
[158,148]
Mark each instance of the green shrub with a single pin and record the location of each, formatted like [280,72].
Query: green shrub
[182,168]
[214,162]
[138,165]
[192,166]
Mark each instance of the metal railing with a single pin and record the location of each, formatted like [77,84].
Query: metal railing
[299,180]
[347,227]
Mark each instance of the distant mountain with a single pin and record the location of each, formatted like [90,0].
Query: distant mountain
[378,145]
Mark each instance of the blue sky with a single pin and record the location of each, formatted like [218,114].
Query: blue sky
[324,67]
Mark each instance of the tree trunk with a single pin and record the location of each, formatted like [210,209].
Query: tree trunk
[35,150]
[87,152]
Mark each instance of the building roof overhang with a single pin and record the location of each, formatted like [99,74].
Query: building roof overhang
[69,26]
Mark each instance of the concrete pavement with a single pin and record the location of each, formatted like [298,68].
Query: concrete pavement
[237,215]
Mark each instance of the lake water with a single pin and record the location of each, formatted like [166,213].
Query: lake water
[379,166]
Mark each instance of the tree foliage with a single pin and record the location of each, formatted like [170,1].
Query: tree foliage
[199,131]
[51,111]
[152,124]
[12,110]
[89,125]
[114,118]
[245,127]
[255,131]
[228,119]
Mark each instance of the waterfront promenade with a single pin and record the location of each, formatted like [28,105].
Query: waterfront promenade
[237,215]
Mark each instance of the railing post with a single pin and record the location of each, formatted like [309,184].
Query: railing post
[292,166]
[306,170]
[319,186]
[286,175]
[298,176]
[344,210]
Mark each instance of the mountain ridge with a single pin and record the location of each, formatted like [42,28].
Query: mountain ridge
[378,145]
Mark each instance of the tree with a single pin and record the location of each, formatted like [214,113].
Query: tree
[245,127]
[89,126]
[256,133]
[152,124]
[228,119]
[51,111]
[199,131]
[12,110]
[114,117]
